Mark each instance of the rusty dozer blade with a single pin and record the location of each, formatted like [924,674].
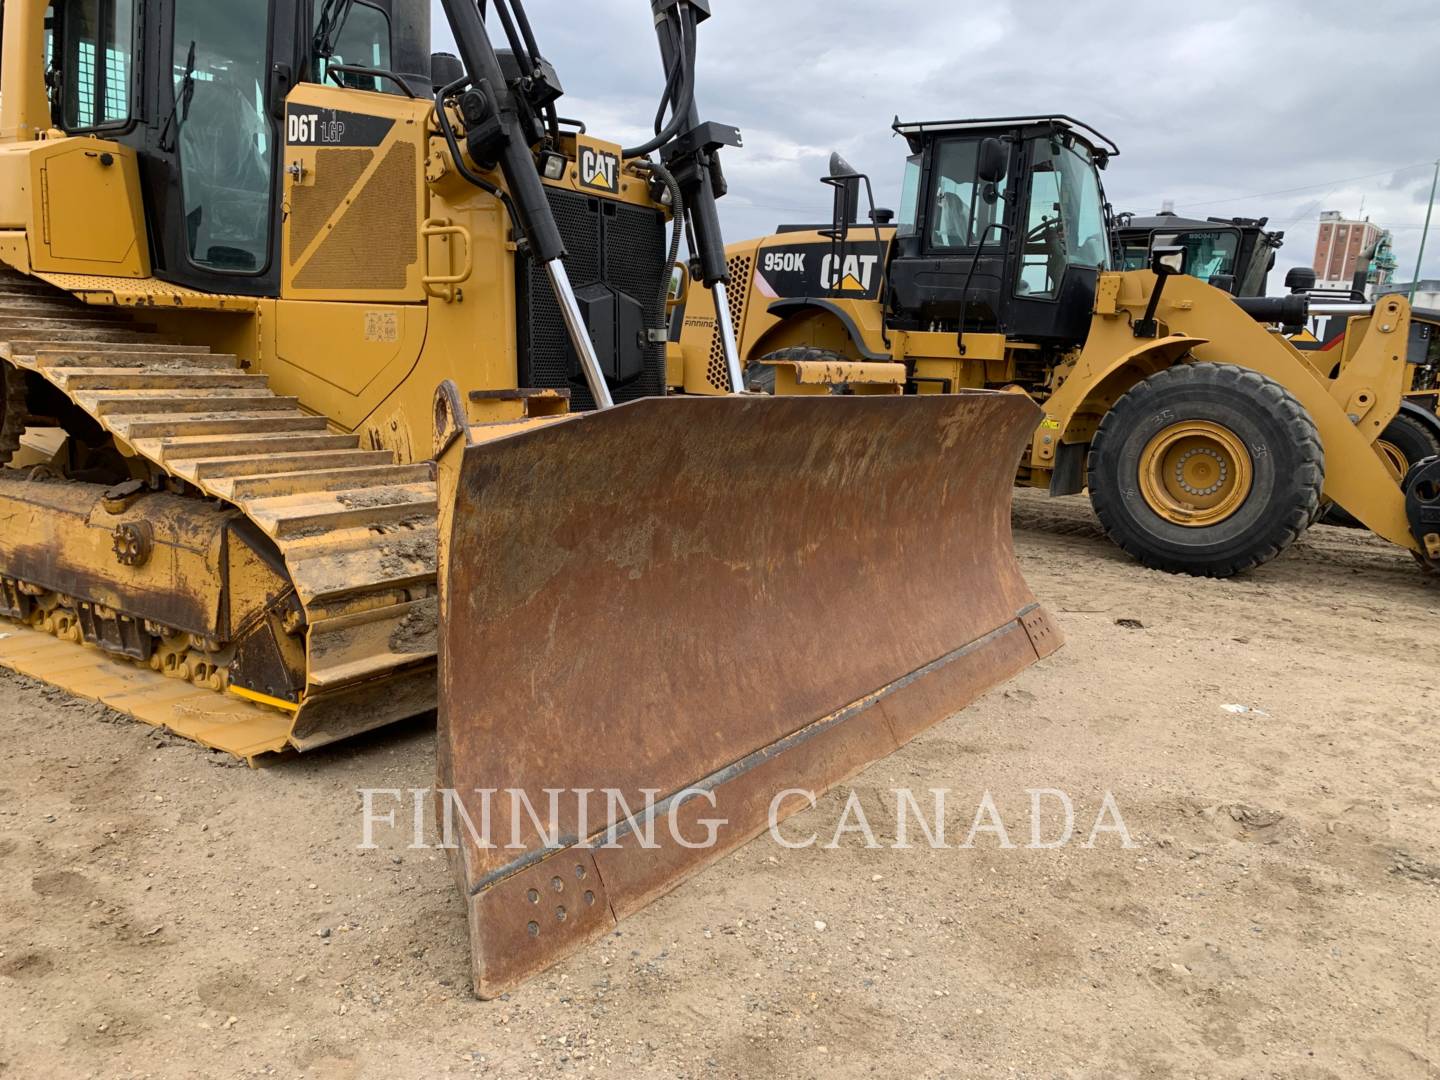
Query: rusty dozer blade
[711,600]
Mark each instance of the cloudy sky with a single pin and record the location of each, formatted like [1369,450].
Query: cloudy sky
[1261,108]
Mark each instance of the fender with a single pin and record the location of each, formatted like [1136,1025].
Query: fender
[786,309]
[1073,411]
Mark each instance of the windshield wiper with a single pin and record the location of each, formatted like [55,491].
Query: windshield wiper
[181,105]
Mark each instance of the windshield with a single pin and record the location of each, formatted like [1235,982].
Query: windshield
[1065,222]
[1206,253]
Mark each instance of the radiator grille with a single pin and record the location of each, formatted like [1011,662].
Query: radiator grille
[374,245]
[717,372]
[607,242]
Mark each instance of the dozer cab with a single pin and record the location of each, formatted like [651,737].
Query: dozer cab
[1207,439]
[328,364]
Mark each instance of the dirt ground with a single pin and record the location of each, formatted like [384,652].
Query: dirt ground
[164,912]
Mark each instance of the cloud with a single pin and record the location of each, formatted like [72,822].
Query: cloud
[1259,108]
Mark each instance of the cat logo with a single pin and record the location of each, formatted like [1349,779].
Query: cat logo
[600,169]
[851,273]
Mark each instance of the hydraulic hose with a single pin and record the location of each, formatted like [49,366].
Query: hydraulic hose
[677,227]
[680,103]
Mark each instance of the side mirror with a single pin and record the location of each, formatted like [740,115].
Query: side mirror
[1165,261]
[846,182]
[679,290]
[994,161]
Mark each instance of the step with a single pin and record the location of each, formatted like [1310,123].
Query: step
[269,486]
[78,379]
[135,426]
[204,469]
[221,446]
[113,404]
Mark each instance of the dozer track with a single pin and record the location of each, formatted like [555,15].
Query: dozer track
[349,533]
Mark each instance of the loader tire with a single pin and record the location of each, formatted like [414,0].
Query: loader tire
[760,377]
[1206,469]
[1404,442]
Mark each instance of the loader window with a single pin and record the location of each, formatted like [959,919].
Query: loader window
[909,197]
[962,208]
[225,143]
[1206,253]
[96,63]
[363,41]
[1065,218]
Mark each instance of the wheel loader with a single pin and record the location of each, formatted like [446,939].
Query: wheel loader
[337,388]
[1208,440]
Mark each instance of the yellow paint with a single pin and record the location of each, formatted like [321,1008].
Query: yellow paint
[263,699]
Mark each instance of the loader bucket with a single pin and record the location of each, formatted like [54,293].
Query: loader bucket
[709,600]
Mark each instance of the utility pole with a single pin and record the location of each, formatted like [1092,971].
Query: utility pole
[1415,284]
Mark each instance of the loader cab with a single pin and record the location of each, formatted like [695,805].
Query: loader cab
[198,89]
[1003,227]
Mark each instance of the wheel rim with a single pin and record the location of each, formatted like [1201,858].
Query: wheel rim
[1394,458]
[1196,473]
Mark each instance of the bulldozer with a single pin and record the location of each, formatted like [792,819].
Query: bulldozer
[1207,439]
[338,388]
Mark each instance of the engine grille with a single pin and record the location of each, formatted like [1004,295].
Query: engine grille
[612,243]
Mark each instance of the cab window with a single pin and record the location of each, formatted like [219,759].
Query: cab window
[95,68]
[363,41]
[1065,222]
[1206,253]
[962,208]
[226,144]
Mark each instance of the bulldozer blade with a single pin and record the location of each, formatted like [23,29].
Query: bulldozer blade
[657,618]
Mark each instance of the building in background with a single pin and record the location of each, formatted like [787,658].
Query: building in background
[1347,245]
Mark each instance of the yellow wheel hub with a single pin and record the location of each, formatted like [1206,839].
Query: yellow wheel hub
[1196,473]
[1393,457]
